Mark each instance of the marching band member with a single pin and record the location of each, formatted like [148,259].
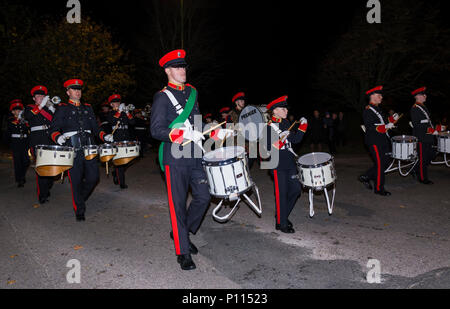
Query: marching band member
[424,130]
[287,186]
[225,116]
[75,125]
[39,117]
[121,118]
[17,135]
[103,118]
[239,104]
[141,126]
[377,140]
[172,117]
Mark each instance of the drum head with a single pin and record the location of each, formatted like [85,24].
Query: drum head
[252,122]
[314,159]
[224,154]
[404,139]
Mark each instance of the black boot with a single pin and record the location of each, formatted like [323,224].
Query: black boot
[365,181]
[426,182]
[192,248]
[289,225]
[186,262]
[383,193]
[81,218]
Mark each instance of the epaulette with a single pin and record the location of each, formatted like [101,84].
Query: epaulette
[189,85]
[162,90]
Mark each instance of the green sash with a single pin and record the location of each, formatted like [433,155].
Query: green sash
[179,121]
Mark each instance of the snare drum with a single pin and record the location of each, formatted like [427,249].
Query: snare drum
[404,147]
[227,172]
[52,160]
[316,170]
[90,152]
[107,152]
[126,152]
[444,142]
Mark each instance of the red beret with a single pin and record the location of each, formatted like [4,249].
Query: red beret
[237,96]
[378,89]
[419,91]
[115,98]
[209,115]
[224,110]
[175,57]
[73,83]
[280,102]
[39,90]
[17,103]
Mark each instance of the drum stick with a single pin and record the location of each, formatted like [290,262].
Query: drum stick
[223,141]
[207,131]
[115,128]
[107,170]
[62,177]
[290,128]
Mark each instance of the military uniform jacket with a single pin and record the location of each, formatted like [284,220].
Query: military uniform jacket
[104,124]
[163,114]
[17,132]
[287,160]
[122,133]
[38,118]
[70,118]
[375,133]
[421,123]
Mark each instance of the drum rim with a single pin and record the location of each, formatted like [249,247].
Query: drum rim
[91,147]
[223,149]
[128,143]
[415,139]
[331,160]
[55,147]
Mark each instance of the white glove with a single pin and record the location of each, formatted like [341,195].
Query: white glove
[396,117]
[303,120]
[443,128]
[44,102]
[225,133]
[436,132]
[61,140]
[20,115]
[190,134]
[122,107]
[284,135]
[52,108]
[390,126]
[130,108]
[109,138]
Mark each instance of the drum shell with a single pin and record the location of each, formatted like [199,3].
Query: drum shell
[107,152]
[126,152]
[444,143]
[90,152]
[405,149]
[53,160]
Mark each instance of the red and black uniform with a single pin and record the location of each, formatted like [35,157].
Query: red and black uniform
[77,123]
[286,184]
[423,129]
[121,134]
[18,139]
[39,121]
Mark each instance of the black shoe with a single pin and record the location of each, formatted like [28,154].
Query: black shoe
[426,182]
[123,187]
[383,193]
[287,230]
[365,181]
[186,262]
[289,224]
[80,218]
[192,248]
[43,200]
[20,184]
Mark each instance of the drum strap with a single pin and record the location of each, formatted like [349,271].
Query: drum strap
[380,117]
[288,145]
[183,115]
[426,115]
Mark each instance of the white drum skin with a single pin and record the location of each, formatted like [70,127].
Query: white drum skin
[404,147]
[227,171]
[316,170]
[444,142]
[52,155]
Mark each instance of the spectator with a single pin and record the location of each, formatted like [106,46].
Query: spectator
[316,129]
[341,128]
[328,125]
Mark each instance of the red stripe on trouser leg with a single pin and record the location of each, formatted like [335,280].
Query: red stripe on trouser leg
[277,195]
[71,188]
[421,161]
[173,215]
[378,167]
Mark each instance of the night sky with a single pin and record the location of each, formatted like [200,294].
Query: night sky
[271,48]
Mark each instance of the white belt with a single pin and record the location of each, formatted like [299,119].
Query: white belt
[424,121]
[106,122]
[72,133]
[19,135]
[125,127]
[139,128]
[39,128]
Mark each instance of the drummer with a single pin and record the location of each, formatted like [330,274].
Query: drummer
[103,117]
[287,186]
[377,140]
[425,132]
[120,118]
[239,104]
[39,116]
[169,107]
[225,116]
[74,125]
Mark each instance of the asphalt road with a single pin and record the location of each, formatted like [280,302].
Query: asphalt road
[125,241]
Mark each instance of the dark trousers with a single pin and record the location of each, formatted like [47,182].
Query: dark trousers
[381,163]
[426,155]
[43,184]
[185,221]
[83,176]
[287,191]
[119,174]
[20,159]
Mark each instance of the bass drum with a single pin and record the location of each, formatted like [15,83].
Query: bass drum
[252,123]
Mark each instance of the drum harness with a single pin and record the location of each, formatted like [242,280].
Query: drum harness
[428,120]
[287,145]
[81,137]
[380,117]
